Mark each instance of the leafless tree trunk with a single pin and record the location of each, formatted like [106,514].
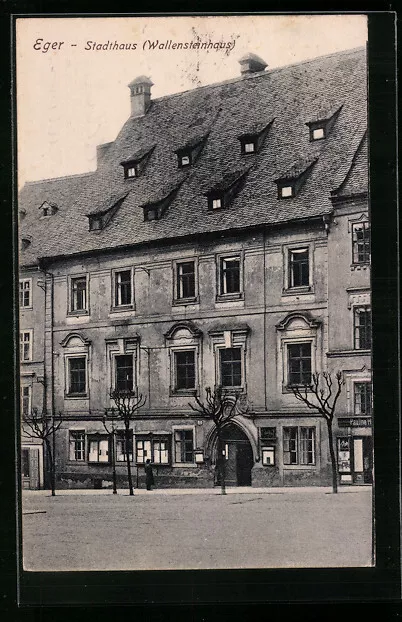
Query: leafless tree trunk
[322,397]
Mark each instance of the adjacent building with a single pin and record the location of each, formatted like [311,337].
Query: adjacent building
[223,240]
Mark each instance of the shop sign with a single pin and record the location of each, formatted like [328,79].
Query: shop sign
[354,422]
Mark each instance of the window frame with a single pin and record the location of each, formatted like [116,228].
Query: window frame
[116,306]
[284,186]
[234,387]
[22,291]
[120,437]
[128,166]
[356,328]
[153,439]
[293,344]
[292,251]
[68,392]
[176,266]
[71,280]
[320,126]
[366,226]
[130,355]
[183,428]
[26,412]
[222,296]
[29,358]
[297,448]
[368,398]
[98,438]
[184,390]
[71,433]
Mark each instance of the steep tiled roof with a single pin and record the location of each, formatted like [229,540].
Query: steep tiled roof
[290,95]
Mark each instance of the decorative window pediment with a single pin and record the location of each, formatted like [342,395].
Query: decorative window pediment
[75,340]
[298,321]
[100,218]
[183,330]
[291,182]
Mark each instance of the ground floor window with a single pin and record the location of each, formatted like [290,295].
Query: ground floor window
[25,463]
[299,445]
[184,446]
[121,446]
[98,449]
[154,449]
[77,445]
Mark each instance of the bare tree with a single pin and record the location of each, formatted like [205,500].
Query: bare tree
[43,426]
[321,395]
[221,407]
[127,403]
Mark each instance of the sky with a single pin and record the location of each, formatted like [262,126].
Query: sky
[71,98]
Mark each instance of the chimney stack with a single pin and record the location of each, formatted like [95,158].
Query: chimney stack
[251,63]
[140,90]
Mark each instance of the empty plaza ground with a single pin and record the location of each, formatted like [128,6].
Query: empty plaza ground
[247,528]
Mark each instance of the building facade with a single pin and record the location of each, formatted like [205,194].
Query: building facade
[223,240]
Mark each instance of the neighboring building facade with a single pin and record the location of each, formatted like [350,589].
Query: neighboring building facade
[223,240]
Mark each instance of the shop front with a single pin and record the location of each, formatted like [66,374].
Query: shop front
[355,451]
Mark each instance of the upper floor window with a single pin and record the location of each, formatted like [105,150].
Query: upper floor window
[184,446]
[77,375]
[299,267]
[79,294]
[286,192]
[135,165]
[130,171]
[48,209]
[26,345]
[361,242]
[188,153]
[291,182]
[77,445]
[26,400]
[229,275]
[362,398]
[124,372]
[299,445]
[362,327]
[317,133]
[230,367]
[299,364]
[185,369]
[217,203]
[123,294]
[185,280]
[25,293]
[323,123]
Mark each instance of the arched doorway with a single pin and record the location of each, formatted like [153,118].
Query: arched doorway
[239,456]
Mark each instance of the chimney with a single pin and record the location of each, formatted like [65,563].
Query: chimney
[251,63]
[140,89]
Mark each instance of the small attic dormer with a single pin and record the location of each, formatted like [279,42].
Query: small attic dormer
[48,209]
[321,125]
[100,217]
[253,138]
[156,207]
[188,153]
[290,183]
[134,166]
[221,195]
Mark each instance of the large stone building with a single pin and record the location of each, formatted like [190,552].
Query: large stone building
[223,240]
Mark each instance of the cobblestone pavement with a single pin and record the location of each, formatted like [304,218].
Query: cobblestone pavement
[182,529]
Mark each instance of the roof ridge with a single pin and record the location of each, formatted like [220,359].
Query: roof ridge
[62,177]
[259,74]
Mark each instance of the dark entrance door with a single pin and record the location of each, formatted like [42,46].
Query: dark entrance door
[238,457]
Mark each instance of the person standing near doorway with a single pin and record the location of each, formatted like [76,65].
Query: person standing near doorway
[149,476]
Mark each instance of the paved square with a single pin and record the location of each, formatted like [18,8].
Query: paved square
[275,528]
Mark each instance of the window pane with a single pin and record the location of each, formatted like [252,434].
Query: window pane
[307,445]
[230,276]
[290,446]
[299,267]
[124,372]
[184,446]
[77,372]
[186,280]
[361,242]
[362,398]
[299,363]
[123,288]
[77,446]
[185,369]
[230,361]
[362,332]
[79,294]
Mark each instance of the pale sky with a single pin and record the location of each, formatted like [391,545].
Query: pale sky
[70,99]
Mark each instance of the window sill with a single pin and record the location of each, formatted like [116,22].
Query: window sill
[122,308]
[77,313]
[289,388]
[185,465]
[26,308]
[183,393]
[299,467]
[229,297]
[76,396]
[360,266]
[185,301]
[295,291]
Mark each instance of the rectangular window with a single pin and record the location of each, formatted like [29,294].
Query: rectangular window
[121,443]
[185,280]
[230,367]
[25,293]
[98,449]
[184,446]
[26,345]
[249,147]
[362,398]
[362,328]
[216,203]
[79,294]
[299,267]
[124,370]
[77,376]
[317,133]
[299,364]
[286,192]
[185,160]
[361,242]
[230,275]
[26,401]
[299,445]
[77,446]
[156,450]
[185,370]
[131,171]
[122,288]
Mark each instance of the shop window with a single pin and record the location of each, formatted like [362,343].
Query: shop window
[98,449]
[184,446]
[184,369]
[299,364]
[123,294]
[230,367]
[121,446]
[155,449]
[25,346]
[25,293]
[362,398]
[361,242]
[77,375]
[79,294]
[77,445]
[362,327]
[299,270]
[299,445]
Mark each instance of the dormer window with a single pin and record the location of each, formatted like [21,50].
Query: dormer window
[185,160]
[25,242]
[135,166]
[321,126]
[223,193]
[188,154]
[249,147]
[48,209]
[252,140]
[216,203]
[99,218]
[155,209]
[291,182]
[150,214]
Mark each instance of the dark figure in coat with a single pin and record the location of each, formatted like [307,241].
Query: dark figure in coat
[149,476]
